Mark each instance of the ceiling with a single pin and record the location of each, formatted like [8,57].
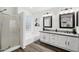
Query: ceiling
[35,9]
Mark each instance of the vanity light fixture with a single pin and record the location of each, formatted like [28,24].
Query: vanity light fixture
[66,9]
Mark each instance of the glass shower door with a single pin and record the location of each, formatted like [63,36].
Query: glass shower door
[4,32]
[14,31]
[9,32]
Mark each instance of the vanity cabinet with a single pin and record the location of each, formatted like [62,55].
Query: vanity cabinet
[70,43]
[61,40]
[58,40]
[53,39]
[44,37]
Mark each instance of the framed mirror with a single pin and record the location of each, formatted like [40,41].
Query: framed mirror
[77,19]
[47,22]
[67,20]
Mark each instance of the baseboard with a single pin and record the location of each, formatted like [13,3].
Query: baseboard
[12,49]
[25,45]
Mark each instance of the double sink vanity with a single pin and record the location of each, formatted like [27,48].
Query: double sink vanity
[65,35]
[67,41]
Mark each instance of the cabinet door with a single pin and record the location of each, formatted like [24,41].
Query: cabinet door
[61,41]
[72,43]
[44,37]
[53,39]
[41,37]
[58,40]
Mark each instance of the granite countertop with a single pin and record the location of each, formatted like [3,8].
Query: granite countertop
[61,33]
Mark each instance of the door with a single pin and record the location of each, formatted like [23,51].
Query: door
[73,44]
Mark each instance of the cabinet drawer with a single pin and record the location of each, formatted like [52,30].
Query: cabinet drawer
[52,36]
[53,39]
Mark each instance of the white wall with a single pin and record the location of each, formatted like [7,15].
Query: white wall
[27,36]
[55,13]
[25,15]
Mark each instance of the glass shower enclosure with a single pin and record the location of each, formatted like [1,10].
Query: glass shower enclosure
[9,31]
